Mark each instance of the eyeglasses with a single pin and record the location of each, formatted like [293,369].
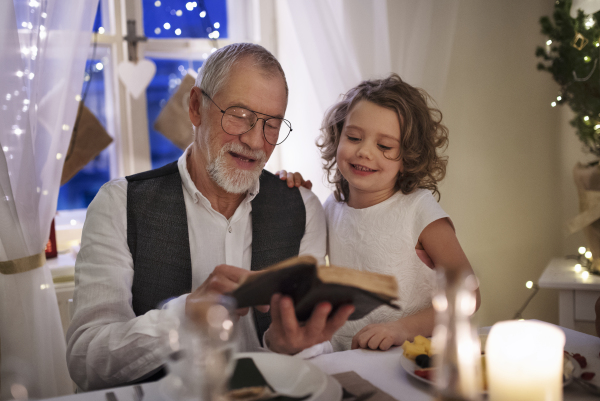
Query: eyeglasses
[239,120]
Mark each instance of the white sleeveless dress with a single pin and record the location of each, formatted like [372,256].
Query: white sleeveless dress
[382,239]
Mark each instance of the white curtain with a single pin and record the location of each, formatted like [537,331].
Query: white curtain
[327,47]
[43,50]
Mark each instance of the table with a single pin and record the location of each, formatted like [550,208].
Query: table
[383,370]
[577,296]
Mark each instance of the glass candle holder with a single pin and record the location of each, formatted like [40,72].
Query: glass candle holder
[525,361]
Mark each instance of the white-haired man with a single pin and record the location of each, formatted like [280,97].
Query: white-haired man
[197,226]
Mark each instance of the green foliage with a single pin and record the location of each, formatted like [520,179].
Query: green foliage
[569,66]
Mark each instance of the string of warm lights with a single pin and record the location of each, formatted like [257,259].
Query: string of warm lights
[582,268]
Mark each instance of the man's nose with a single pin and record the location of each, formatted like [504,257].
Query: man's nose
[254,138]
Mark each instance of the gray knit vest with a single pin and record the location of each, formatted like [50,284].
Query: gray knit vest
[157,234]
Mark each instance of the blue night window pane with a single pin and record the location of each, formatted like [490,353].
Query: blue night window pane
[83,187]
[185,19]
[169,74]
[98,19]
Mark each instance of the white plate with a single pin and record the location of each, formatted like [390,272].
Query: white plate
[410,366]
[295,377]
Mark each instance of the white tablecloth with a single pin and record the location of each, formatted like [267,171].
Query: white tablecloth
[384,371]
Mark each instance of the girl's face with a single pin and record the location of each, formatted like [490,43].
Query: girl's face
[367,153]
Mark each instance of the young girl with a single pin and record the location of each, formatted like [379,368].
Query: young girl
[380,150]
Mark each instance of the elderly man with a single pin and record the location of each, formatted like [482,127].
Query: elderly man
[197,226]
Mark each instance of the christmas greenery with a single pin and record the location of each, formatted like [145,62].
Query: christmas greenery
[571,56]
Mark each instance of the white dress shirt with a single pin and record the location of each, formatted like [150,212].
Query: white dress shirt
[107,343]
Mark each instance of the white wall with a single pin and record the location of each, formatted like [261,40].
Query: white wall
[506,181]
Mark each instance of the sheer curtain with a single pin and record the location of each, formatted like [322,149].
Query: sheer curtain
[43,50]
[328,46]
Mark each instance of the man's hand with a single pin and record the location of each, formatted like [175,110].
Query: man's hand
[293,179]
[222,280]
[380,336]
[287,336]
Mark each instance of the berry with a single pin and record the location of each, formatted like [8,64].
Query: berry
[588,375]
[423,361]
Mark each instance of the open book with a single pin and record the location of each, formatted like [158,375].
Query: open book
[308,285]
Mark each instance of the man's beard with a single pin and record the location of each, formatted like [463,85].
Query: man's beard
[230,178]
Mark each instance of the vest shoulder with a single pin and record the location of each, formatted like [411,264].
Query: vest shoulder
[167,169]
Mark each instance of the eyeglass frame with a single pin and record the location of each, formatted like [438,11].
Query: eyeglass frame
[256,113]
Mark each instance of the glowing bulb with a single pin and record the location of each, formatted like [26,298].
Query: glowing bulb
[217,25]
[8,96]
[577,268]
[24,24]
[586,118]
[214,49]
[44,15]
[31,75]
[597,44]
[585,275]
[20,74]
[99,66]
[215,34]
[553,104]
[189,6]
[178,13]
[18,131]
[203,14]
[559,98]
[101,30]
[204,56]
[589,22]
[73,222]
[157,3]
[5,148]
[167,25]
[582,250]
[78,98]
[597,126]
[529,284]
[65,127]
[588,255]
[43,34]
[157,31]
[548,42]
[45,192]
[177,31]
[587,59]
[58,156]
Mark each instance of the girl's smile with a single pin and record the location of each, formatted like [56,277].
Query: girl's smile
[368,153]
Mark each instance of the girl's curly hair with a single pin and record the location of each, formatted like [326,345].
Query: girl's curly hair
[421,130]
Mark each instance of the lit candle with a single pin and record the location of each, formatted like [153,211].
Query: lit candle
[525,361]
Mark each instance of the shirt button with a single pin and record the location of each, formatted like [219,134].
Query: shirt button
[230,230]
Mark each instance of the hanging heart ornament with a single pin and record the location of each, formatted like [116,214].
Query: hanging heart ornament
[136,76]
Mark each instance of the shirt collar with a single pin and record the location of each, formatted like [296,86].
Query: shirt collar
[190,187]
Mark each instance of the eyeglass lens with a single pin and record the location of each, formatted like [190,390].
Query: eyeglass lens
[238,120]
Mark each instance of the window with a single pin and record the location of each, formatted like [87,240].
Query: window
[181,35]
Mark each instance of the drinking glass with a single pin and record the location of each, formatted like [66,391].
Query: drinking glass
[201,360]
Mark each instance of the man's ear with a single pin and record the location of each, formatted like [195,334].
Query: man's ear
[194,106]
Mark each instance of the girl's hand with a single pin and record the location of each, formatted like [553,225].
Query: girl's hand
[294,179]
[380,336]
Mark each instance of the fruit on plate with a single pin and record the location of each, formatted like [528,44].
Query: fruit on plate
[419,346]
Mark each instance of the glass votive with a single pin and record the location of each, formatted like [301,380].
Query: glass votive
[525,361]
[201,360]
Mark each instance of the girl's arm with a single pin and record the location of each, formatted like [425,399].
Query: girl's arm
[439,241]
